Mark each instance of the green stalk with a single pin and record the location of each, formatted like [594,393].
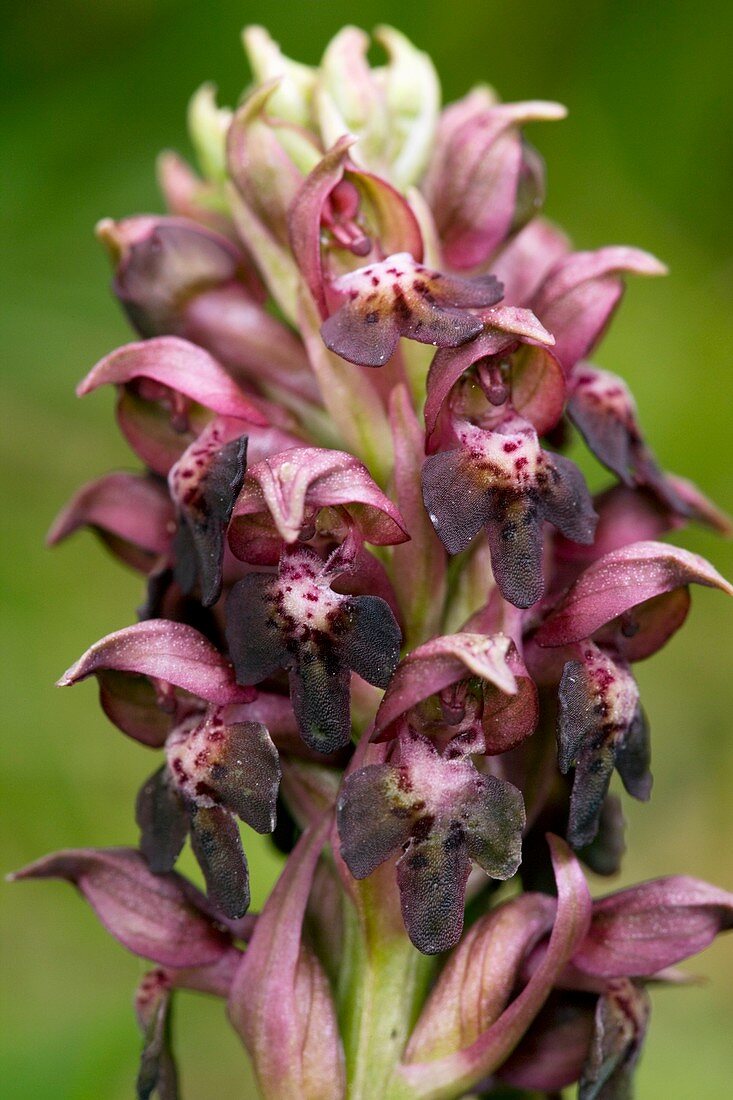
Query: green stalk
[384,981]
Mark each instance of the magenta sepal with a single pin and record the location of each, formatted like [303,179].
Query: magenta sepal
[131,513]
[527,259]
[536,387]
[178,366]
[176,277]
[161,917]
[464,669]
[418,566]
[296,484]
[478,173]
[643,929]
[620,582]
[577,299]
[480,976]
[172,655]
[168,391]
[280,1002]
[464,1068]
[161,263]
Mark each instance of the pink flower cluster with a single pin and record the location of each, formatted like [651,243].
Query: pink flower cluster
[384,619]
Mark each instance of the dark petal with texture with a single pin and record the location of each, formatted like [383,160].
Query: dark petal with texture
[575,699]
[371,646]
[218,848]
[431,877]
[319,691]
[252,632]
[515,542]
[245,774]
[633,757]
[590,787]
[399,297]
[603,855]
[494,821]
[163,821]
[606,435]
[457,507]
[205,503]
[569,505]
[371,824]
[367,338]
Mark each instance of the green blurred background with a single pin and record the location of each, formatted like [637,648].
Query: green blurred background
[94,89]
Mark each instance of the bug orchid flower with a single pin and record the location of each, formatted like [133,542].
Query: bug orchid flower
[442,813]
[502,481]
[331,652]
[295,620]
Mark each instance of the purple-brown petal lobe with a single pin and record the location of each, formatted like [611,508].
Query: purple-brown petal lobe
[218,849]
[162,818]
[319,692]
[600,726]
[457,508]
[374,818]
[254,638]
[431,876]
[205,483]
[399,297]
[494,819]
[370,643]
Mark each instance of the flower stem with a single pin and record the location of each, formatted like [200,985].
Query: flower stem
[384,981]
